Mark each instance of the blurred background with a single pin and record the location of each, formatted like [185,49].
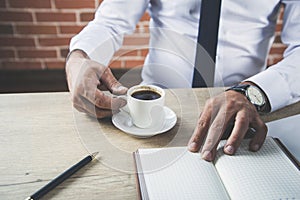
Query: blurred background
[34,39]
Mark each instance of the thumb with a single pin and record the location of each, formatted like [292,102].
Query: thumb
[112,84]
[118,89]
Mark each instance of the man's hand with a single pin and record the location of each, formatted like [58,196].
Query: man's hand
[218,113]
[85,77]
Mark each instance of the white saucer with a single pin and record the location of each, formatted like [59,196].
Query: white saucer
[122,121]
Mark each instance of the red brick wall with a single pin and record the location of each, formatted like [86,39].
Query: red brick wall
[34,34]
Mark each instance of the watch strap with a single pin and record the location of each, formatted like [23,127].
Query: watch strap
[242,88]
[239,88]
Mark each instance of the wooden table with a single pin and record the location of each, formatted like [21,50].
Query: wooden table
[42,135]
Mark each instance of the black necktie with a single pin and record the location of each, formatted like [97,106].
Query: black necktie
[204,69]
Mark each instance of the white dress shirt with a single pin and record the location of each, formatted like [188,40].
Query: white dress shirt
[246,32]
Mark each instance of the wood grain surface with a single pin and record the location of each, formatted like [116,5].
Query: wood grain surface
[41,135]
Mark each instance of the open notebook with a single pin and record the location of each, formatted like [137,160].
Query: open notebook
[175,173]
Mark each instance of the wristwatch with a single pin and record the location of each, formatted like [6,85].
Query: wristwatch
[253,94]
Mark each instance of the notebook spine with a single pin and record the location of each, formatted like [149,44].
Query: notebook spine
[140,180]
[288,153]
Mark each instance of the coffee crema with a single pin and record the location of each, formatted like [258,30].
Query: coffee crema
[146,95]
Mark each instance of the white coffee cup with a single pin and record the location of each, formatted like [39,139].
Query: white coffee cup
[145,104]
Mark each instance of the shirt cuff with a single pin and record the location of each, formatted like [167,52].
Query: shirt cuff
[274,86]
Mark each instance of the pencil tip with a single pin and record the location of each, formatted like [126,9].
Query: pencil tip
[94,154]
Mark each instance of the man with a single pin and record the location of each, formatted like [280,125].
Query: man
[246,32]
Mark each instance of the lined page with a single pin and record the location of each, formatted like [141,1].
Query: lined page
[174,173]
[266,174]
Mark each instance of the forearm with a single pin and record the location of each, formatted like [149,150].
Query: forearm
[103,36]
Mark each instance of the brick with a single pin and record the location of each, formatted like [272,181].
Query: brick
[17,42]
[281,12]
[86,17]
[278,27]
[55,17]
[277,50]
[36,29]
[273,59]
[276,60]
[269,61]
[144,52]
[37,53]
[146,28]
[70,4]
[116,64]
[30,3]
[126,52]
[70,29]
[21,65]
[145,17]
[6,53]
[55,41]
[6,29]
[142,28]
[15,16]
[136,40]
[55,64]
[134,63]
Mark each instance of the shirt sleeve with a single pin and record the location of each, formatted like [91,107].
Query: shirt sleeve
[281,82]
[103,36]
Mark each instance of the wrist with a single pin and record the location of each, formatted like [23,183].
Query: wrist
[74,62]
[76,53]
[254,94]
[267,107]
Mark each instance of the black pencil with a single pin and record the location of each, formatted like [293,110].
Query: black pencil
[59,179]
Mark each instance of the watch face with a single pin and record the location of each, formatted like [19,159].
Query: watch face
[255,96]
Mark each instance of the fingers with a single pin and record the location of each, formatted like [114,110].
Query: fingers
[83,105]
[260,134]
[104,101]
[88,98]
[111,83]
[217,115]
[209,155]
[199,133]
[214,135]
[202,127]
[84,78]
[97,101]
[240,128]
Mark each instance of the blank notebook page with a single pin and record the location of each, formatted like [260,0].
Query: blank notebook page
[174,173]
[266,174]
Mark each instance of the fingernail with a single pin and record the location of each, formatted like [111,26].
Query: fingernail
[193,146]
[254,147]
[207,155]
[121,87]
[229,149]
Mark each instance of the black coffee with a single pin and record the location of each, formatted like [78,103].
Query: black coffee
[146,95]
